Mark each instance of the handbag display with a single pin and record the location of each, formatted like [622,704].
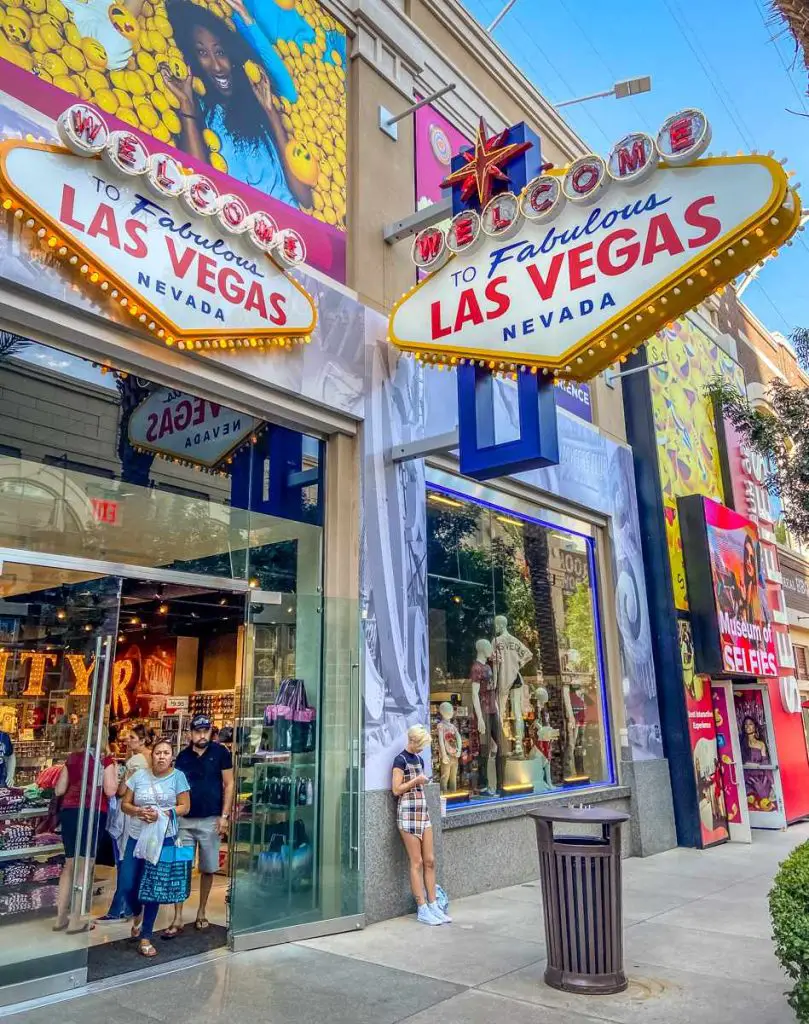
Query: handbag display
[291,718]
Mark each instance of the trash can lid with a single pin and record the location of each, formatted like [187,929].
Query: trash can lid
[593,815]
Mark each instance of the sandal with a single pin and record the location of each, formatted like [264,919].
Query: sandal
[60,927]
[88,927]
[202,924]
[145,948]
[171,932]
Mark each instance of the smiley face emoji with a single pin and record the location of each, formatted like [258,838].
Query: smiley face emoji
[34,6]
[94,53]
[302,162]
[122,21]
[15,30]
[176,65]
[53,64]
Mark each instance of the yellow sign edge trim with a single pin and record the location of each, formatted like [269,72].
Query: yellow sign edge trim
[95,264]
[640,332]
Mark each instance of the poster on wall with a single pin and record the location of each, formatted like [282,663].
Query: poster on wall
[705,751]
[729,754]
[730,615]
[253,90]
[761,777]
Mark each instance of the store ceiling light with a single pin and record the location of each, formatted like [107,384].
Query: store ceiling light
[61,615]
[162,609]
[506,519]
[439,499]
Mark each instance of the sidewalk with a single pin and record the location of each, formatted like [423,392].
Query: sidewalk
[698,948]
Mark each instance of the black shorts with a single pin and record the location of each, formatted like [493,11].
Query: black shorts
[69,819]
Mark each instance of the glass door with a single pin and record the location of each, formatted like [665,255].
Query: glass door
[57,638]
[295,849]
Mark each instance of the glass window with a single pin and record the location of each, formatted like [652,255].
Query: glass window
[517,700]
[99,463]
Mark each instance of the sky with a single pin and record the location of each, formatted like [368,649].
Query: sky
[718,55]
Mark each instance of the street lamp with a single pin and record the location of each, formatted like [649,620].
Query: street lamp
[621,90]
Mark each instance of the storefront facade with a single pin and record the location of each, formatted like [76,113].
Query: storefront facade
[556,553]
[731,711]
[298,544]
[172,543]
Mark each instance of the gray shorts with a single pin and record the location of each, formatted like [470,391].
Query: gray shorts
[203,835]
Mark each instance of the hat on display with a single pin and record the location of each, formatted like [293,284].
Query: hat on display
[201,722]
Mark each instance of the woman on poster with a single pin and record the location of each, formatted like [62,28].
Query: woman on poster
[238,110]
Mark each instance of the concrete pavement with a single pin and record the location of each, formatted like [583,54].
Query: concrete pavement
[697,941]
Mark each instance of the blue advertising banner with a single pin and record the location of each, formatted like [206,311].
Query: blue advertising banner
[575,398]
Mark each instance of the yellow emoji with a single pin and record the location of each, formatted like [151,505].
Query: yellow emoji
[16,55]
[94,53]
[73,57]
[15,30]
[122,21]
[53,64]
[57,9]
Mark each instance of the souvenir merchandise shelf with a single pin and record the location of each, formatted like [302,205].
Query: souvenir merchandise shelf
[267,820]
[219,705]
[26,812]
[273,660]
[31,851]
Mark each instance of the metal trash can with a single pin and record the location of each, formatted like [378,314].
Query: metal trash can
[581,895]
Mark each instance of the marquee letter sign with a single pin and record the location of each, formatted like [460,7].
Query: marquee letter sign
[192,267]
[588,261]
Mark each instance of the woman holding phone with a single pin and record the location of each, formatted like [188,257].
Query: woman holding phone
[415,826]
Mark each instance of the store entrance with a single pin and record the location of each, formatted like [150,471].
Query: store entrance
[86,660]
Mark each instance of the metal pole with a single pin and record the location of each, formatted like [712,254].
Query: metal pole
[421,103]
[610,378]
[501,15]
[583,99]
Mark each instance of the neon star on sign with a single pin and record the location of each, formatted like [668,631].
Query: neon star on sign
[484,165]
[191,266]
[588,261]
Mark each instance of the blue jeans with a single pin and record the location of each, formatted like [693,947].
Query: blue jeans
[130,873]
[120,904]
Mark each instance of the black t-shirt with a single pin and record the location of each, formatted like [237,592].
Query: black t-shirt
[204,774]
[405,758]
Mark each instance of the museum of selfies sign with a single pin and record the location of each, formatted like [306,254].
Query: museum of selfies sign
[586,262]
[194,268]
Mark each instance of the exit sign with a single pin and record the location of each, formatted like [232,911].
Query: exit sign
[105,511]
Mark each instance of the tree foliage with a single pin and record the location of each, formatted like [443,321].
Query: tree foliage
[780,436]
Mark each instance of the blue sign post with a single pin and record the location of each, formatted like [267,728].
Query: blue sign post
[478,175]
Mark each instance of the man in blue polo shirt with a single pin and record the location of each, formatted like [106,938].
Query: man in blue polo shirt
[208,767]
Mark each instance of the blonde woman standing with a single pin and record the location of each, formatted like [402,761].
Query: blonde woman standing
[415,828]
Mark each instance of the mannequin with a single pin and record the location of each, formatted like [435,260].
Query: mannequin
[542,734]
[510,655]
[487,714]
[449,745]
[575,714]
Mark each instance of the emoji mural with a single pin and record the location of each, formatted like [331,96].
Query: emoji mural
[254,88]
[688,453]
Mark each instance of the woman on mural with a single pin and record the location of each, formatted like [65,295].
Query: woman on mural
[751,610]
[759,783]
[236,108]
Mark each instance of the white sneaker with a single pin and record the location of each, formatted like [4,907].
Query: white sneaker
[439,913]
[426,916]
